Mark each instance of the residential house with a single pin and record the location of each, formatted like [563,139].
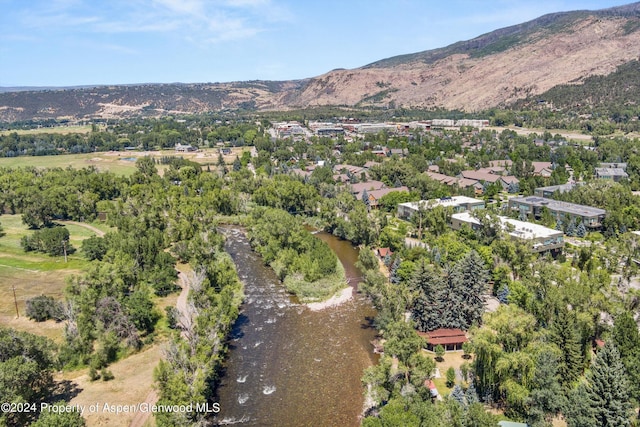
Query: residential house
[543,169]
[616,174]
[450,339]
[375,195]
[185,148]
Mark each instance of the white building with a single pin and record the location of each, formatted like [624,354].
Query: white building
[543,238]
[458,203]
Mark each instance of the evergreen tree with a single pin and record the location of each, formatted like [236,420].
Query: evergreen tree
[627,340]
[426,310]
[565,335]
[571,228]
[608,389]
[578,411]
[458,395]
[559,225]
[581,230]
[365,198]
[503,294]
[393,271]
[471,395]
[469,281]
[546,398]
[236,164]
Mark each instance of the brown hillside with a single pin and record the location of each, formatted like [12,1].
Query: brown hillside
[494,69]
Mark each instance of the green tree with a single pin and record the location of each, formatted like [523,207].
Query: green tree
[608,389]
[627,340]
[578,410]
[546,398]
[565,335]
[451,377]
[58,418]
[427,305]
[439,351]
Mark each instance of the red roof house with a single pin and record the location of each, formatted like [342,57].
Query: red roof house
[450,339]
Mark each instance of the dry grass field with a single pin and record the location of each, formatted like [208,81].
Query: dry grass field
[33,274]
[118,162]
[59,130]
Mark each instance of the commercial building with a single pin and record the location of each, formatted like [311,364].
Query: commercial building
[591,217]
[458,203]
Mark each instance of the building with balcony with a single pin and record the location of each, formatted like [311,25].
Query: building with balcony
[458,203]
[533,206]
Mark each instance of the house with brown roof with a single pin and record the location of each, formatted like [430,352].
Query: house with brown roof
[376,195]
[450,339]
[542,169]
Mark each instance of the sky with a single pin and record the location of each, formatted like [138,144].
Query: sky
[93,42]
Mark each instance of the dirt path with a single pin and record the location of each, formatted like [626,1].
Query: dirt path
[181,304]
[141,417]
[98,232]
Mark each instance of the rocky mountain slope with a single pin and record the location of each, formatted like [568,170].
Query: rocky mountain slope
[494,69]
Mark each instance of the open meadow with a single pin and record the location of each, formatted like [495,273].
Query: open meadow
[32,274]
[118,162]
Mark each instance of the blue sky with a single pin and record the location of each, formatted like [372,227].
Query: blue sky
[84,42]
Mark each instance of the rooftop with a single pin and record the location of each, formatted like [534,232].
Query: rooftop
[521,229]
[556,205]
[445,201]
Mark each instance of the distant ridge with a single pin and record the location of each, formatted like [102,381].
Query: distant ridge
[495,69]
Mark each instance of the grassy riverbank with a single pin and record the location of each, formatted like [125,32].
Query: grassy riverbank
[307,266]
[318,290]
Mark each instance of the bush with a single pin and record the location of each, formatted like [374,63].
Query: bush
[451,377]
[439,350]
[106,374]
[94,248]
[43,308]
[93,374]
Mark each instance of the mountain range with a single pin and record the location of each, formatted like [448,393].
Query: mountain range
[495,69]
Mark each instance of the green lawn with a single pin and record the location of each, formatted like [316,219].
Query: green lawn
[33,274]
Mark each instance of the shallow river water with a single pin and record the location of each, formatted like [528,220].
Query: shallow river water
[288,365]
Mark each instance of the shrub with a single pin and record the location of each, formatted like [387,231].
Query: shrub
[43,308]
[451,377]
[106,374]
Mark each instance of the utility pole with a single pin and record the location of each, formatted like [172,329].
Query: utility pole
[15,300]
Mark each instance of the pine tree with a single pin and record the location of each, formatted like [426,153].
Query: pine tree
[571,228]
[581,230]
[627,340]
[471,395]
[546,398]
[458,395]
[365,198]
[608,389]
[565,335]
[427,304]
[559,225]
[469,280]
[503,294]
[237,165]
[578,411]
[393,271]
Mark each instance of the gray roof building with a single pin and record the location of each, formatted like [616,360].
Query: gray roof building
[565,211]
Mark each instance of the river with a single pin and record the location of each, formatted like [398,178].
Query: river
[288,365]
